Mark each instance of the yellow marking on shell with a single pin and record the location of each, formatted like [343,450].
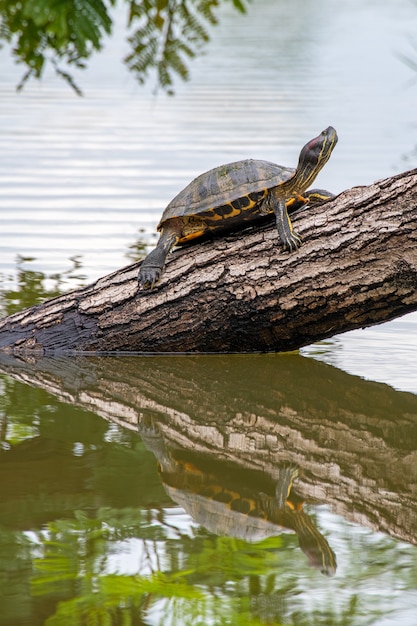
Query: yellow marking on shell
[215,216]
[253,203]
[212,216]
[234,208]
[195,226]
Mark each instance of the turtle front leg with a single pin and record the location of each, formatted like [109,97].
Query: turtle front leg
[290,239]
[152,266]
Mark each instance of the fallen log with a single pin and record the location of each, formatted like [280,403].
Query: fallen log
[240,293]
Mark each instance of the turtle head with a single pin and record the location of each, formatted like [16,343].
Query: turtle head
[314,156]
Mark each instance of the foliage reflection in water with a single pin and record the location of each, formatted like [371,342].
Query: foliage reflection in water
[31,286]
[93,529]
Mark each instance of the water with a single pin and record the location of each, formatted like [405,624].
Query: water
[83,506]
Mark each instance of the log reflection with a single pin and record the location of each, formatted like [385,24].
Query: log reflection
[354,441]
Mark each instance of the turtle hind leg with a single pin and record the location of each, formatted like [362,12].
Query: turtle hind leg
[311,198]
[317,196]
[152,266]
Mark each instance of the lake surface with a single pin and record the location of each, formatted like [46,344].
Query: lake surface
[133,488]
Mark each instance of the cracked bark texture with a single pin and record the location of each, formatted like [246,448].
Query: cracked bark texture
[356,267]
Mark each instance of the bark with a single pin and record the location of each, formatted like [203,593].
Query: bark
[357,267]
[353,441]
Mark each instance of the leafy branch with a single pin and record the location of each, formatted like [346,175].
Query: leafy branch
[164,35]
[57,31]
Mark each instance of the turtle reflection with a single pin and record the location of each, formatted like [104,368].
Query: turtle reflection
[243,503]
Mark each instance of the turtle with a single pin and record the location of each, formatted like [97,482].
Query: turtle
[238,194]
[228,499]
[229,504]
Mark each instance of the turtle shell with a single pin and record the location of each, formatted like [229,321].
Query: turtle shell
[251,524]
[224,185]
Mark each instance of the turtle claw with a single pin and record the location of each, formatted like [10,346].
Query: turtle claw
[149,277]
[292,242]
